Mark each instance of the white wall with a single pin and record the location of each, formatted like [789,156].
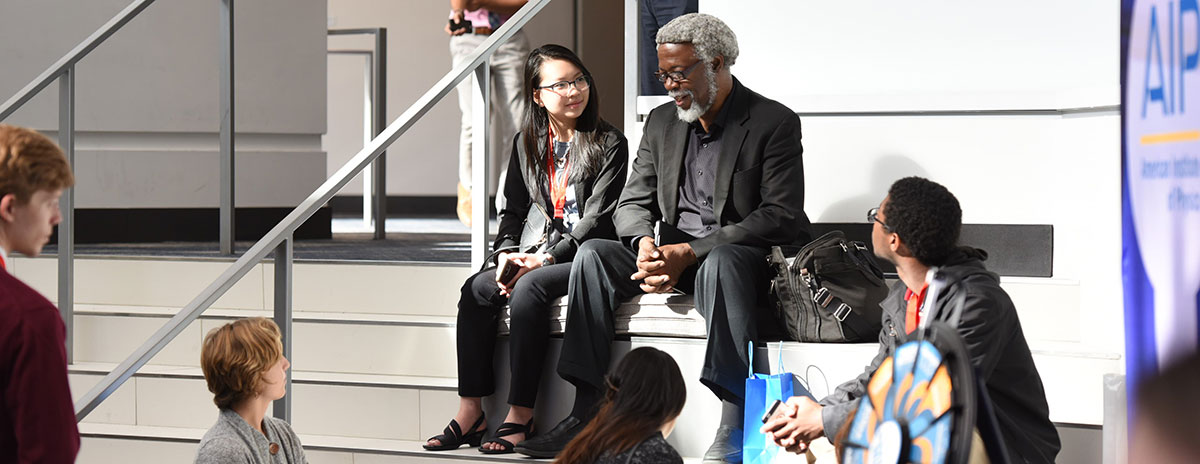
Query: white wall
[147,99]
[423,162]
[846,61]
[865,76]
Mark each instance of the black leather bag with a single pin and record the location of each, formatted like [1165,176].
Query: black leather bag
[830,291]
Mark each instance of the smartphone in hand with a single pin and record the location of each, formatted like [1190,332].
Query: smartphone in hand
[771,411]
[508,272]
[456,25]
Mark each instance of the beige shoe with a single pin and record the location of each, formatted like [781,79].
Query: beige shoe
[464,205]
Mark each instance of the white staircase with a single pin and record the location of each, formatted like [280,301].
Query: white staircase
[373,356]
[374,365]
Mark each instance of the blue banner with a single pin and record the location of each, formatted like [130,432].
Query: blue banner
[1160,182]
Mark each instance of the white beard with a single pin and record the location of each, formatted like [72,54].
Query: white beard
[697,109]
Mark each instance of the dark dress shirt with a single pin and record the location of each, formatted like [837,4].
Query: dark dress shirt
[698,180]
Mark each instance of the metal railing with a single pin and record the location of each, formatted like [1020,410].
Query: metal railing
[375,117]
[278,241]
[64,71]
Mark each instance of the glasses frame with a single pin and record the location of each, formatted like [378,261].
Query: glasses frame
[677,77]
[872,216]
[585,79]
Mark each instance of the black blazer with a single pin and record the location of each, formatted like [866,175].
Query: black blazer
[524,217]
[758,198]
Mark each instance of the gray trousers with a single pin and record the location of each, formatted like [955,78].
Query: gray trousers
[729,285]
[508,104]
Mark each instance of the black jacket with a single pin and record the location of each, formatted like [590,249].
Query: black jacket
[993,336]
[525,216]
[758,197]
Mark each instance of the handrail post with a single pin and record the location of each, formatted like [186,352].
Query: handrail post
[379,121]
[368,203]
[283,318]
[480,163]
[66,205]
[227,127]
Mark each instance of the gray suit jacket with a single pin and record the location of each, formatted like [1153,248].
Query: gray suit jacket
[992,333]
[758,198]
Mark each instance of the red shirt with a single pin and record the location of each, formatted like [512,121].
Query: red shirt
[912,313]
[37,417]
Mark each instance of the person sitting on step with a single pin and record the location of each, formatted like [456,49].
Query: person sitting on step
[916,228]
[724,165]
[246,371]
[565,174]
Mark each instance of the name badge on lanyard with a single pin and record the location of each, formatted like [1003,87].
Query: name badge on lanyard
[558,191]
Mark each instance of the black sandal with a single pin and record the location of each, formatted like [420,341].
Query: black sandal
[452,436]
[506,429]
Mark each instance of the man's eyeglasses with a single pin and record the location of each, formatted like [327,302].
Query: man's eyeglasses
[580,83]
[872,216]
[677,76]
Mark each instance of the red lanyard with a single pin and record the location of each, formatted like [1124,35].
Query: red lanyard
[558,193]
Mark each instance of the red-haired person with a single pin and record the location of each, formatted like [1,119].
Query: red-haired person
[245,369]
[37,419]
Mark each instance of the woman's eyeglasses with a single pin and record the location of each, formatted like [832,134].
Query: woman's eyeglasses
[580,83]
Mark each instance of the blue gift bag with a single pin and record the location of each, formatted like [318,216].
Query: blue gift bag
[761,392]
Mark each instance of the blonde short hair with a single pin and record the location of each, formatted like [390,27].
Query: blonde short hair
[235,357]
[30,161]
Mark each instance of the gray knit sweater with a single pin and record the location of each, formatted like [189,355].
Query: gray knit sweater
[232,440]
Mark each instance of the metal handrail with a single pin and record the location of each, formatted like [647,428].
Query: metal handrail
[69,60]
[374,209]
[278,240]
[64,71]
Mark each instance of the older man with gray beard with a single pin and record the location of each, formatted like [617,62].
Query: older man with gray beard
[722,164]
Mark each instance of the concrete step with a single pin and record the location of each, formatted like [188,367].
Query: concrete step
[108,443]
[352,343]
[333,287]
[374,358]
[352,405]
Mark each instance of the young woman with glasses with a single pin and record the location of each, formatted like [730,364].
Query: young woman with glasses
[565,174]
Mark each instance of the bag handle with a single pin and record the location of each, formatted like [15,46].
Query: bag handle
[779,360]
[750,351]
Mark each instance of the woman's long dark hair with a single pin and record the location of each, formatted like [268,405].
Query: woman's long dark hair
[645,392]
[587,150]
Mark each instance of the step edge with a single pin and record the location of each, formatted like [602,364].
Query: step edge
[309,442]
[299,377]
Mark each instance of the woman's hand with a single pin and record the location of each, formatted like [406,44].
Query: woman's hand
[456,15]
[525,261]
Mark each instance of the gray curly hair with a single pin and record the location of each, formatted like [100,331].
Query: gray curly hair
[710,36]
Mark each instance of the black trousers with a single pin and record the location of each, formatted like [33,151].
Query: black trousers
[728,286]
[653,15]
[529,330]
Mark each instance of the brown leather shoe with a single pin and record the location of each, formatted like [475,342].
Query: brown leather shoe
[464,205]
